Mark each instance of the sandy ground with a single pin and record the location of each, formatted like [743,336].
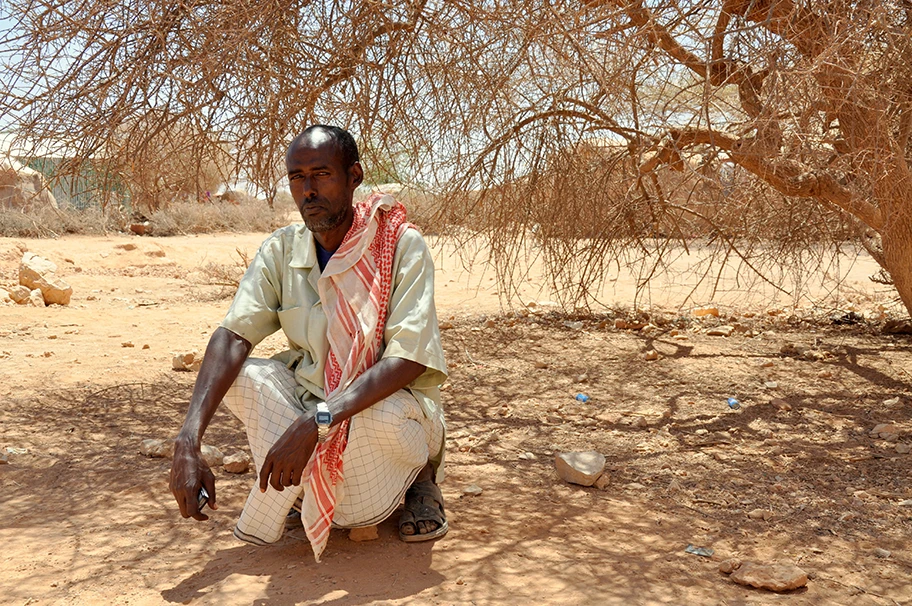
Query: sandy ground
[85,519]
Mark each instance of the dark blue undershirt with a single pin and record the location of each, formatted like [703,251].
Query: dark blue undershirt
[323,255]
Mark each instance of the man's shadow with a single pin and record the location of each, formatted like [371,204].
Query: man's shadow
[349,573]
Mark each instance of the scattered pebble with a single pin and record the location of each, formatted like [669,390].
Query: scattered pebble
[445,325]
[582,468]
[238,462]
[472,490]
[127,344]
[4,458]
[190,361]
[700,312]
[212,455]
[885,431]
[780,404]
[651,355]
[771,385]
[527,456]
[720,331]
[758,514]
[902,448]
[160,449]
[881,553]
[603,481]
[363,533]
[729,566]
[774,577]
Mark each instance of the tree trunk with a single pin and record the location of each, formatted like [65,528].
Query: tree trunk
[896,238]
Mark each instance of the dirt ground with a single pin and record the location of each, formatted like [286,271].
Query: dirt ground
[86,519]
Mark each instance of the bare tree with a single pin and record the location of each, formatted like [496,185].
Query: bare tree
[603,124]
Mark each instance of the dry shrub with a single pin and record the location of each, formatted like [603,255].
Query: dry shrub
[50,222]
[194,218]
[227,277]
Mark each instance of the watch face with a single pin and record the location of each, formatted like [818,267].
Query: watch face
[324,418]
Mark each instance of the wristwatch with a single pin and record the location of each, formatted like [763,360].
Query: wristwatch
[324,419]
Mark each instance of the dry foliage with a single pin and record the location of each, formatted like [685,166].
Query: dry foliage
[590,132]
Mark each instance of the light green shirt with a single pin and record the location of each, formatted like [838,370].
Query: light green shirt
[279,290]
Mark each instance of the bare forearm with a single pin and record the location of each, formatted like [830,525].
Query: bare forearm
[224,357]
[380,381]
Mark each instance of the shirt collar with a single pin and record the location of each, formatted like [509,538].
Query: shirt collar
[304,253]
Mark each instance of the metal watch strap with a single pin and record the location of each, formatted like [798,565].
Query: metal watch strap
[323,429]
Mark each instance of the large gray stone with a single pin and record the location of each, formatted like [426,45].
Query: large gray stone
[582,468]
[774,577]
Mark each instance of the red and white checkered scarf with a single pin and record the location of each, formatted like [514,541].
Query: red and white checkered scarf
[354,289]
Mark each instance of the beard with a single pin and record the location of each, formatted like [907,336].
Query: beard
[326,223]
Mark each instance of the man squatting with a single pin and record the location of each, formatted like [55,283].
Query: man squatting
[348,420]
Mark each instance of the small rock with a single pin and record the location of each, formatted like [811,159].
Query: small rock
[212,455]
[651,355]
[897,327]
[885,431]
[906,503]
[472,490]
[146,346]
[603,481]
[527,456]
[20,294]
[892,401]
[445,325]
[4,458]
[540,364]
[490,324]
[771,385]
[729,566]
[36,299]
[639,422]
[881,553]
[582,468]
[758,514]
[635,486]
[127,344]
[363,533]
[720,331]
[188,361]
[141,229]
[780,404]
[574,325]
[774,577]
[620,323]
[11,450]
[127,246]
[705,311]
[38,273]
[902,448]
[239,462]
[160,449]
[582,378]
[155,253]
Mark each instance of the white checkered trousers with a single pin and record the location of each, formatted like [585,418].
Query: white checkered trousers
[388,444]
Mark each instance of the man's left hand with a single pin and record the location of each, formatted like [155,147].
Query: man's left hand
[288,457]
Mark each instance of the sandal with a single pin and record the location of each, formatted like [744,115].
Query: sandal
[423,503]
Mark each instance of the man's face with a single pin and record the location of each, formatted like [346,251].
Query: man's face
[321,185]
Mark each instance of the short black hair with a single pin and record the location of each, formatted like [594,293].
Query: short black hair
[342,139]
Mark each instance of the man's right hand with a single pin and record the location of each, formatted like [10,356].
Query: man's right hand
[189,472]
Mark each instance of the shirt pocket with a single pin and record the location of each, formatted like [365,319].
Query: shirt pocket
[295,322]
